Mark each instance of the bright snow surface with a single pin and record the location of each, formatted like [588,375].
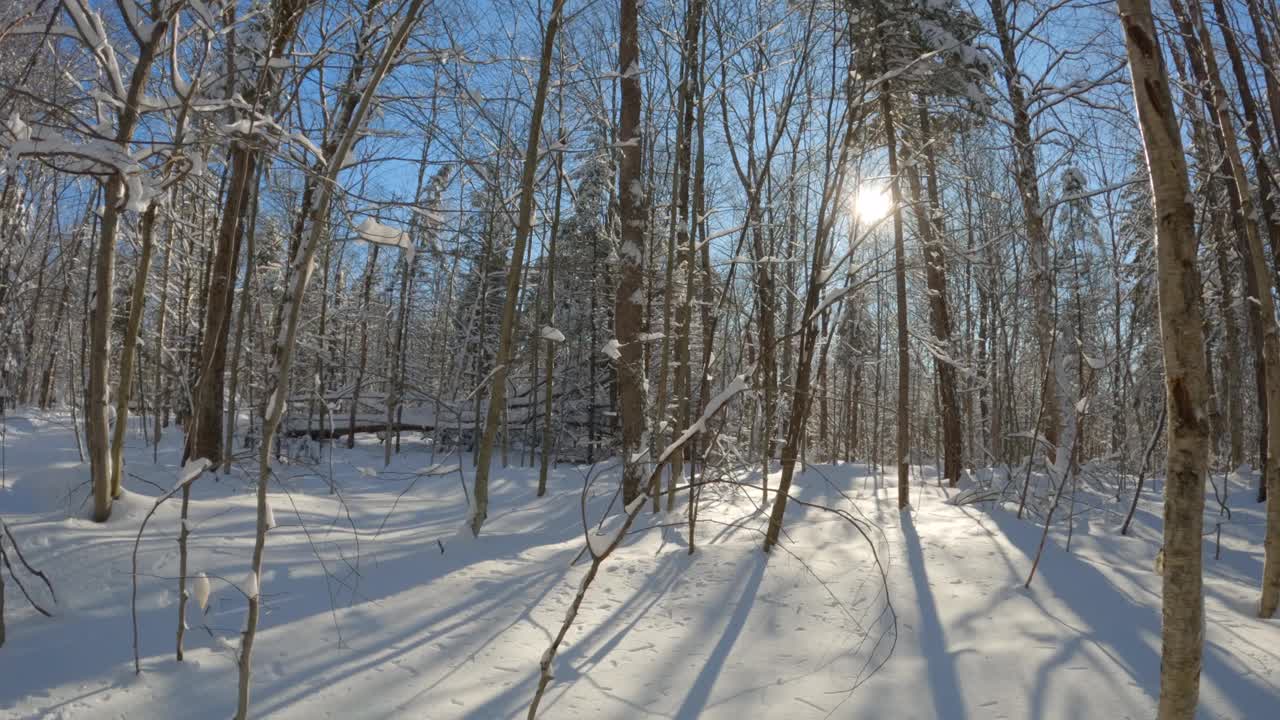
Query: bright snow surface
[380,623]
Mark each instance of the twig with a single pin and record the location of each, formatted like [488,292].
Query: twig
[1142,471]
[18,551]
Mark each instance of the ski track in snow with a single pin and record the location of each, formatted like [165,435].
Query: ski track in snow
[394,628]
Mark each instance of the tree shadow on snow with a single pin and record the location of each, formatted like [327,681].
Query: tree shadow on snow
[699,694]
[939,662]
[1110,623]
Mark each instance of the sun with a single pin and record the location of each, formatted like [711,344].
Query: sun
[871,203]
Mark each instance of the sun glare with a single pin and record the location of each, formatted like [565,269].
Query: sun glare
[871,203]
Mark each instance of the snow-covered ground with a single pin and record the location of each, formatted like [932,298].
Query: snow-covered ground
[377,608]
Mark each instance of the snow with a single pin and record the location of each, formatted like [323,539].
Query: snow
[191,471]
[600,543]
[250,585]
[372,231]
[386,625]
[200,590]
[613,349]
[21,131]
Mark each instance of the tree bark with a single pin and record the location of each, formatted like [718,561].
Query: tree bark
[128,350]
[205,432]
[99,350]
[903,451]
[629,298]
[1185,372]
[548,433]
[498,394]
[1266,308]
[928,219]
[247,294]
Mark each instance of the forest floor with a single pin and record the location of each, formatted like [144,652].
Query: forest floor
[376,607]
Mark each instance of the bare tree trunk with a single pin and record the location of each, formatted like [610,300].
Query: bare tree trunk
[1026,177]
[128,351]
[1231,348]
[205,436]
[1262,37]
[903,452]
[1243,224]
[765,316]
[162,314]
[47,379]
[23,392]
[662,419]
[927,216]
[498,394]
[1271,341]
[372,264]
[395,387]
[548,401]
[628,304]
[242,318]
[183,534]
[301,266]
[833,187]
[1183,344]
[1252,128]
[99,351]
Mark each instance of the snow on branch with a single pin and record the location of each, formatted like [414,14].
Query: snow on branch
[372,231]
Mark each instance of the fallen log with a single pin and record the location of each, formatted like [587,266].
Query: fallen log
[325,433]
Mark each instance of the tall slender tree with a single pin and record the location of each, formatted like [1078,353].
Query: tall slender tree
[1186,377]
[524,226]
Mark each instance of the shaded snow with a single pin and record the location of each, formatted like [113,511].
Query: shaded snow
[405,621]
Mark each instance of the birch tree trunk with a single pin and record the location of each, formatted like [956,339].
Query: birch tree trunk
[1241,223]
[1185,373]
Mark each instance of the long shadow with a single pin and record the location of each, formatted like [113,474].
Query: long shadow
[570,666]
[696,701]
[526,593]
[1112,623]
[392,566]
[943,684]
[1120,629]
